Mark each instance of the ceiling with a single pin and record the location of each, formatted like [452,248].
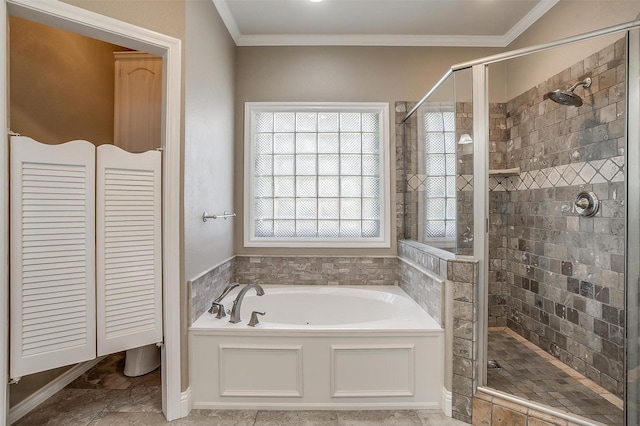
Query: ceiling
[475,23]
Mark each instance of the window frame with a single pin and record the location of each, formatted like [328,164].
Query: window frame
[249,238]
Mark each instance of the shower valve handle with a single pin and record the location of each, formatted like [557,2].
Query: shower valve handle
[583,203]
[587,204]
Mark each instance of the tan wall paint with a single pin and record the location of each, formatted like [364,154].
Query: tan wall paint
[565,19]
[61,84]
[164,16]
[208,151]
[344,74]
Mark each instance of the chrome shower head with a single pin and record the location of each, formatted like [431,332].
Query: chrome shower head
[567,97]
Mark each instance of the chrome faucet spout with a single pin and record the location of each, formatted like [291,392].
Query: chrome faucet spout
[235,312]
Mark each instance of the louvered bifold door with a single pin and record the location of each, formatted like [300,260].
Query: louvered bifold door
[128,246]
[52,263]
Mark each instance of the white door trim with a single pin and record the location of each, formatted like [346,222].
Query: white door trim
[77,20]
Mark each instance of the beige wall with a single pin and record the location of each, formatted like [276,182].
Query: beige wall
[61,84]
[164,16]
[344,74]
[208,151]
[208,173]
[567,18]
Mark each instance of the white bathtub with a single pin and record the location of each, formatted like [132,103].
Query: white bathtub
[319,347]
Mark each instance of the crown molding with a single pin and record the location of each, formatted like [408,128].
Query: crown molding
[528,20]
[228,19]
[368,40]
[380,39]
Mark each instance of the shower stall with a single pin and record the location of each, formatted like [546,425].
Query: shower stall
[528,163]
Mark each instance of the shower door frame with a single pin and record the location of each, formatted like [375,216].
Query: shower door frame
[481,175]
[481,179]
[632,246]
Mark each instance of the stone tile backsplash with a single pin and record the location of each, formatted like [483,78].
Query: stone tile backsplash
[208,286]
[316,270]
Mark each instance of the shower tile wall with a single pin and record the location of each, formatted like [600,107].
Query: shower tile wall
[464,201]
[499,288]
[406,166]
[565,273]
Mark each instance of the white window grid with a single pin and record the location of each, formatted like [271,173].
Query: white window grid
[439,165]
[317,175]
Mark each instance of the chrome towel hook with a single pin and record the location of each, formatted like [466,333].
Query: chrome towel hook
[224,216]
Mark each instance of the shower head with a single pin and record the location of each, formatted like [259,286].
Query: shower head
[567,97]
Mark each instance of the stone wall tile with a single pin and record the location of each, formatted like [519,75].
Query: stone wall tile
[576,263]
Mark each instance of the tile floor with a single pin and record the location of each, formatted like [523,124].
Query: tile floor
[529,372]
[104,396]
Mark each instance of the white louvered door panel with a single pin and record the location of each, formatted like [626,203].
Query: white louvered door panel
[52,263]
[128,249]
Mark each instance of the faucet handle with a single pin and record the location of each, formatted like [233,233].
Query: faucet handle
[254,318]
[219,307]
[226,291]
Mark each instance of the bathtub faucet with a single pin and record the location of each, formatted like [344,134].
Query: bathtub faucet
[235,312]
[216,305]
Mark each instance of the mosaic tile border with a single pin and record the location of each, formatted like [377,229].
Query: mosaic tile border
[580,173]
[416,182]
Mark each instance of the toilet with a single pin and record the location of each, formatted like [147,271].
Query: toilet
[142,360]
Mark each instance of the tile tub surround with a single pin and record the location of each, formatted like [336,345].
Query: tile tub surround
[208,286]
[424,287]
[290,270]
[558,278]
[443,269]
[321,270]
[461,276]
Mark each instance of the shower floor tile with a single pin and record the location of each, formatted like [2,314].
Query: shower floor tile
[526,371]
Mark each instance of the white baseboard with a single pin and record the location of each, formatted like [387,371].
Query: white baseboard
[447,402]
[186,403]
[47,391]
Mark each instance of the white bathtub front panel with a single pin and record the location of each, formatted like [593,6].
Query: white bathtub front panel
[372,370]
[260,370]
[315,370]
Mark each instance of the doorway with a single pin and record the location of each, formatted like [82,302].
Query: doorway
[100,27]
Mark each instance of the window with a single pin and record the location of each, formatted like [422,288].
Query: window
[316,175]
[439,210]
